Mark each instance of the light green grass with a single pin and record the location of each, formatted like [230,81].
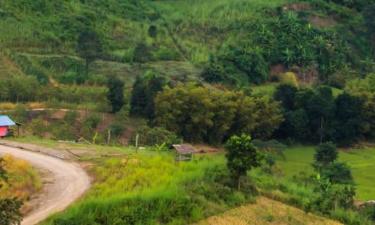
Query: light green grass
[361,161]
[264,90]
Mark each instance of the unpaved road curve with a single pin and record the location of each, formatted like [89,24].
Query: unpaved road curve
[69,182]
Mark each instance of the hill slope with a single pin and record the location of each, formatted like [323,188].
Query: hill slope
[40,37]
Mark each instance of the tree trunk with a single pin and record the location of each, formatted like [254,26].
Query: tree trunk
[87,67]
[239,183]
[321,129]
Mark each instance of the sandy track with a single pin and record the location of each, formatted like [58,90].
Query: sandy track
[68,182]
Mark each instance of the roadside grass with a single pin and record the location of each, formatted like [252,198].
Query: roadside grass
[90,149]
[23,179]
[299,159]
[143,189]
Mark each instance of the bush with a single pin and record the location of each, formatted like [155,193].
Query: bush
[92,121]
[337,173]
[37,127]
[349,217]
[155,136]
[117,128]
[20,113]
[368,211]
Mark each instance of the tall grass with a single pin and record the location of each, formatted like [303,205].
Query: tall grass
[141,189]
[23,179]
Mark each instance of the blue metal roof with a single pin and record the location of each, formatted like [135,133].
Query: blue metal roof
[6,121]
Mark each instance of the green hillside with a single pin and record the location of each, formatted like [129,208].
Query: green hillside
[39,38]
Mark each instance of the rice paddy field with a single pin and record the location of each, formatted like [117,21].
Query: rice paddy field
[362,162]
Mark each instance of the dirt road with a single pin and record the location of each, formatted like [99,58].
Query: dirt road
[67,182]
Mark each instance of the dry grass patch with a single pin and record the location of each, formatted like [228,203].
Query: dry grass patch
[266,211]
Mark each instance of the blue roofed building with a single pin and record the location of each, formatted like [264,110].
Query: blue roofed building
[5,123]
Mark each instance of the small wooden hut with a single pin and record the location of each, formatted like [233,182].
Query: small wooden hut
[184,152]
[5,124]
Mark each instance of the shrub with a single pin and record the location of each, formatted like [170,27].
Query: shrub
[337,173]
[117,128]
[325,154]
[289,78]
[37,127]
[20,113]
[155,136]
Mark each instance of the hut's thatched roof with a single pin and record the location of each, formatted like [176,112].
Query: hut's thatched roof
[184,149]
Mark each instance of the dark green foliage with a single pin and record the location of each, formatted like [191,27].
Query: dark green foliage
[92,121]
[237,65]
[333,196]
[310,114]
[325,154]
[153,31]
[368,210]
[138,100]
[369,16]
[142,53]
[325,163]
[19,89]
[211,115]
[155,136]
[288,40]
[89,47]
[144,92]
[115,93]
[117,128]
[10,213]
[71,117]
[20,114]
[242,156]
[355,4]
[315,115]
[337,173]
[217,187]
[349,118]
[286,94]
[2,170]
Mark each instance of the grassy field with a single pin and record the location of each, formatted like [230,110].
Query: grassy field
[361,161]
[264,212]
[148,187]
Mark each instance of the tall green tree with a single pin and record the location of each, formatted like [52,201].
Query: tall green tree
[286,93]
[144,92]
[89,47]
[325,154]
[349,118]
[115,93]
[212,115]
[242,156]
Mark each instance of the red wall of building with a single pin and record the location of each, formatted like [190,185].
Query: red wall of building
[3,131]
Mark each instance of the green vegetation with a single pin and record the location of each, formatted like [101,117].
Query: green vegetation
[313,115]
[299,159]
[157,73]
[18,180]
[212,115]
[149,188]
[242,156]
[116,93]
